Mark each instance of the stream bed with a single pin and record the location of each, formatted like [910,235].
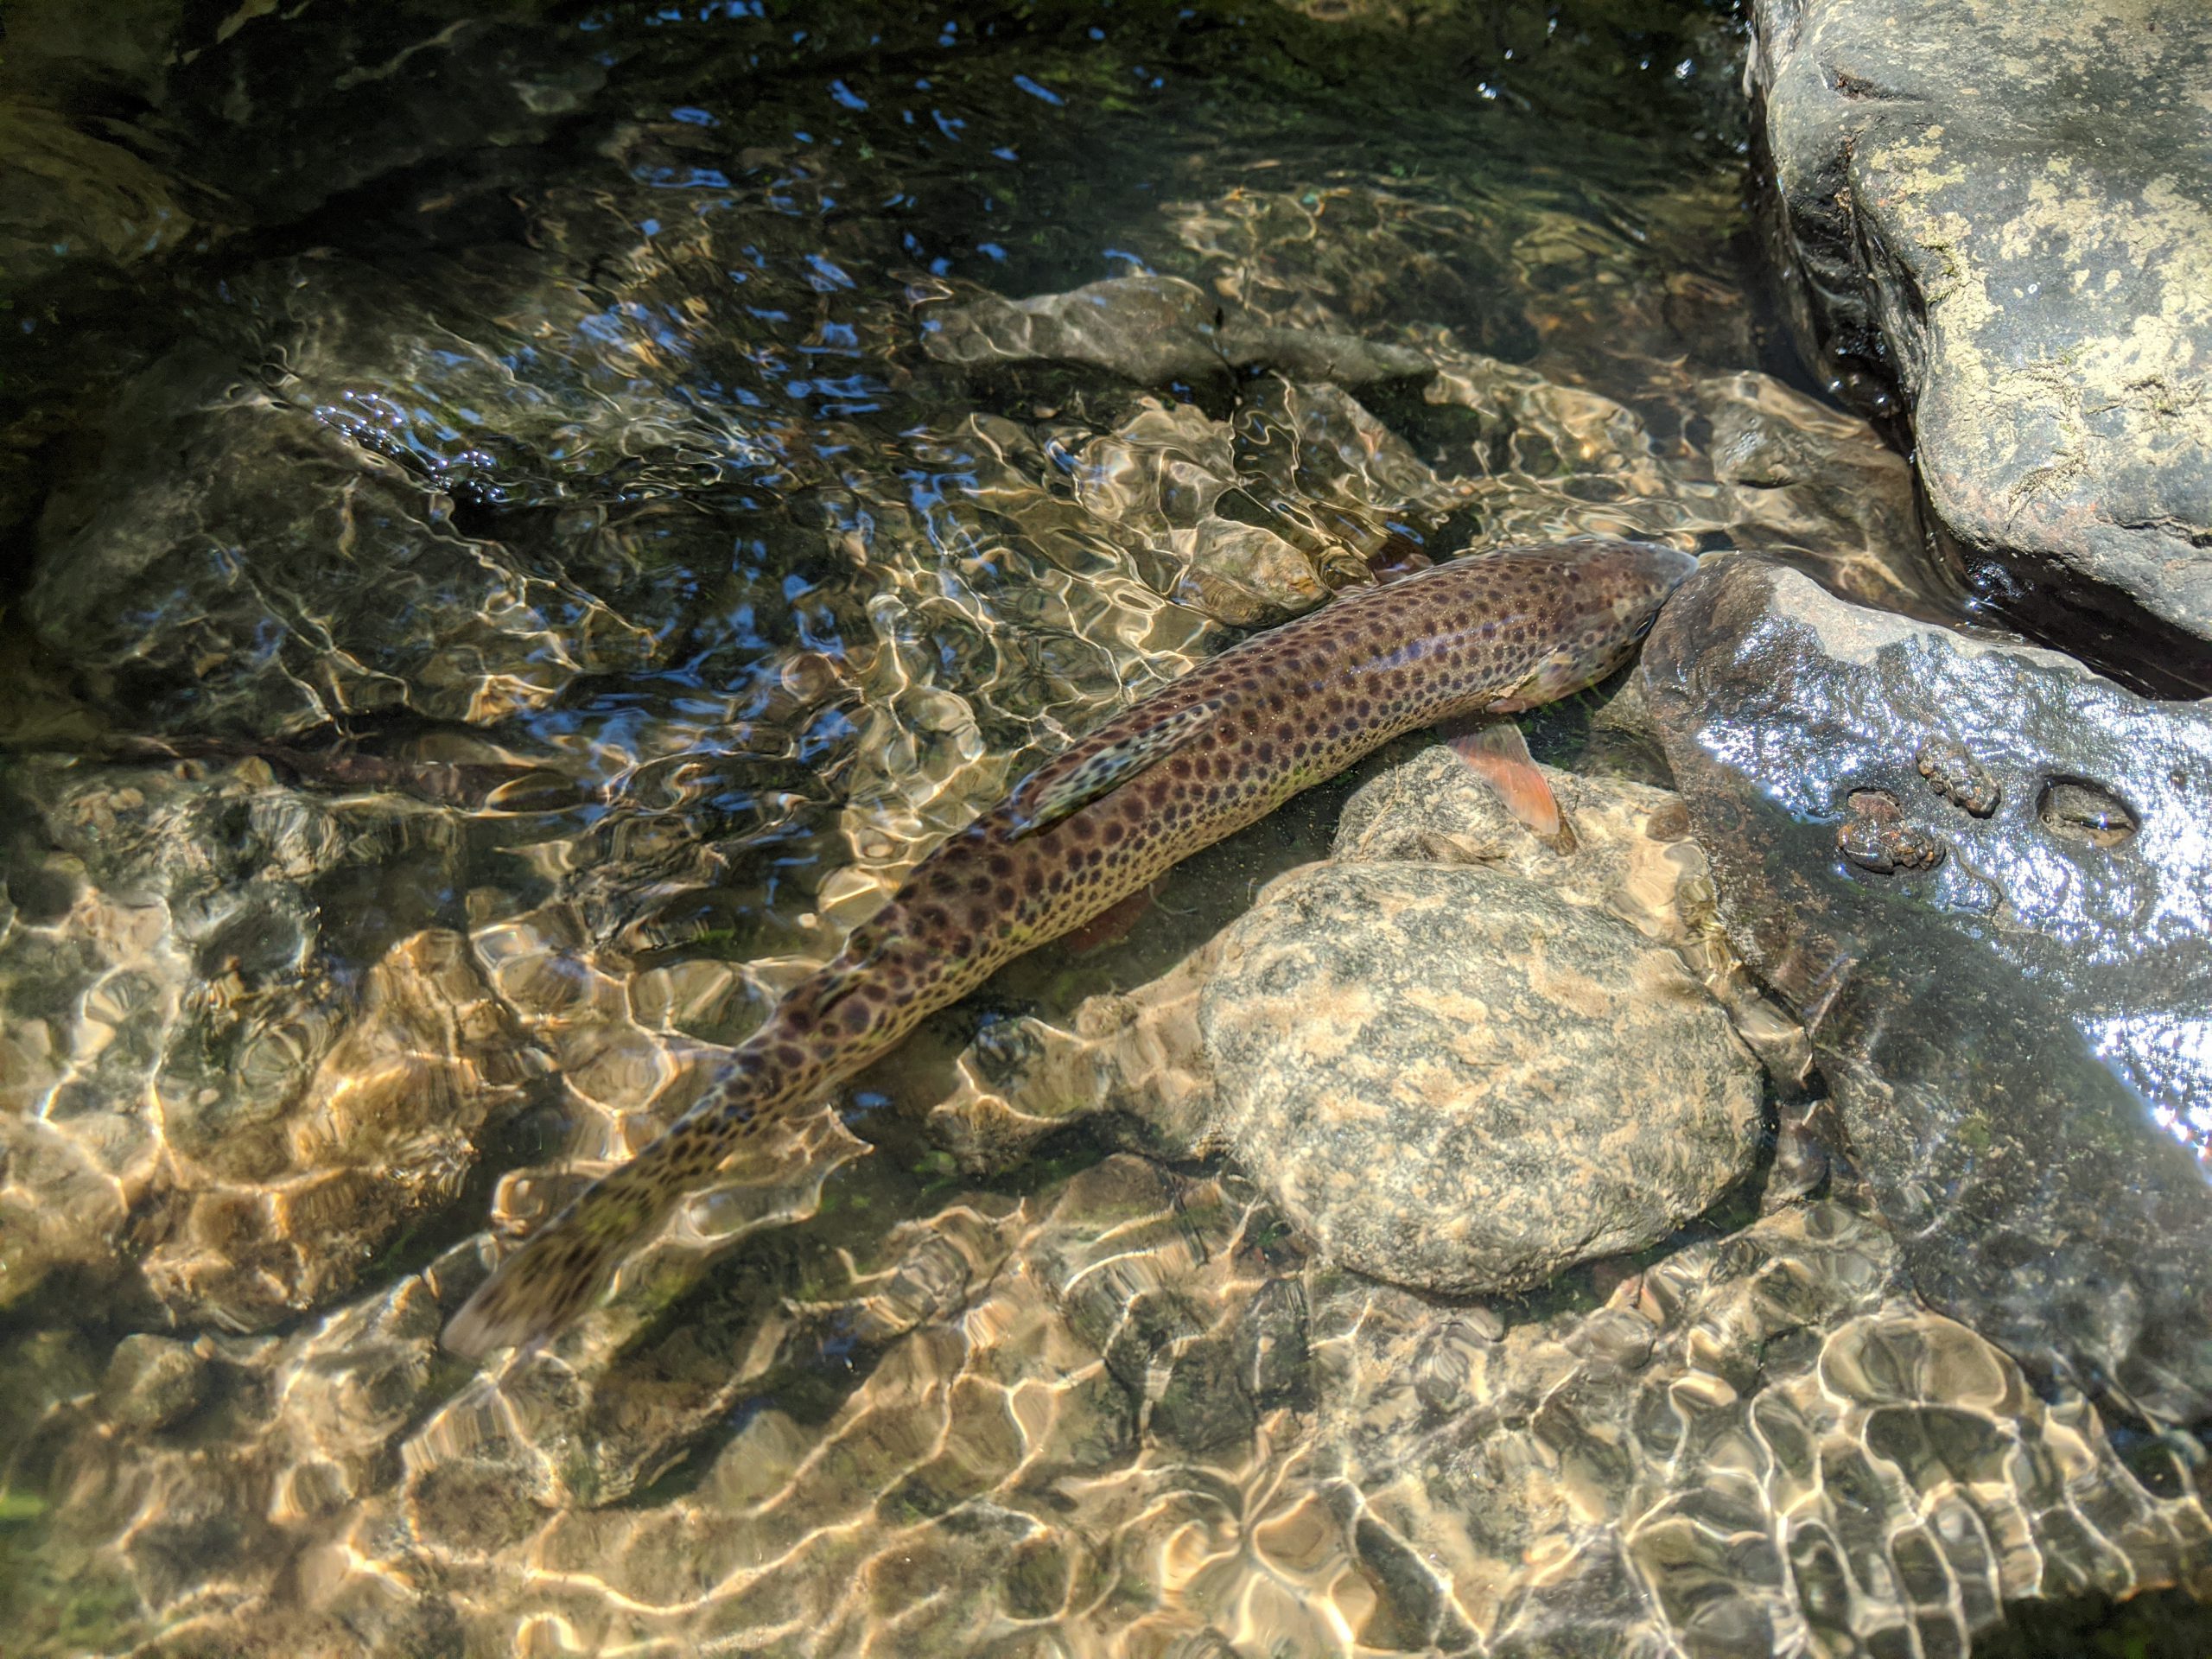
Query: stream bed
[527,524]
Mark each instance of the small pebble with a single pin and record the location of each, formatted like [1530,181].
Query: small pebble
[152,1382]
[1875,836]
[1955,774]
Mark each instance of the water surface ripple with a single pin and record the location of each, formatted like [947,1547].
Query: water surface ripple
[535,521]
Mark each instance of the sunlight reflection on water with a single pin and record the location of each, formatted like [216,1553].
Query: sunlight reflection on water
[550,413]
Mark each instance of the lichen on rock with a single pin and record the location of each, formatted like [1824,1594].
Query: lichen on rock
[1994,218]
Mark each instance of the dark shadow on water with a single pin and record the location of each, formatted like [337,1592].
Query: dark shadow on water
[2157,1625]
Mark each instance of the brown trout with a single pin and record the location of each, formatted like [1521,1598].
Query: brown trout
[1218,749]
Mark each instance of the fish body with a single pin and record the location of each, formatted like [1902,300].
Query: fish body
[1218,749]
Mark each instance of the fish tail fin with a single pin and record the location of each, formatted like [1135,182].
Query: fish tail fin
[560,1270]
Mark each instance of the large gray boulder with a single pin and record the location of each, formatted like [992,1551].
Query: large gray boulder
[1997,217]
[1979,874]
[1455,1079]
[1455,1057]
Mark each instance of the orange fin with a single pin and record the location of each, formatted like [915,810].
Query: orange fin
[1497,751]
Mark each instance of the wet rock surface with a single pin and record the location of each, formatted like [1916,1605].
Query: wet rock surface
[1996,215]
[1443,1072]
[1979,873]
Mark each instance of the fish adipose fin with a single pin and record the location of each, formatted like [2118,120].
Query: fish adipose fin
[834,983]
[1497,750]
[1042,800]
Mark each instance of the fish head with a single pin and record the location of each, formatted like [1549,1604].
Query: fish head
[1594,605]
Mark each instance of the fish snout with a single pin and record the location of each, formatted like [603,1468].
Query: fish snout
[1654,573]
[1594,602]
[1668,568]
[1617,609]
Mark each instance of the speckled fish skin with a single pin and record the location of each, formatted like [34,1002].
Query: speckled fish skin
[1215,750]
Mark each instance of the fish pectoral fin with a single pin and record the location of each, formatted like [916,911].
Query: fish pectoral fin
[1056,790]
[1112,925]
[1539,686]
[1497,750]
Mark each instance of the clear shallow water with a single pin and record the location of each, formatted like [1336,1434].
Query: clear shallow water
[505,460]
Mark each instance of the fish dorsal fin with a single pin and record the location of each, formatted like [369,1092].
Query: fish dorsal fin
[1043,798]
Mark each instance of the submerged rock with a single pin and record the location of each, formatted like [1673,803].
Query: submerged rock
[1980,874]
[1799,473]
[152,1382]
[1776,472]
[263,1082]
[234,564]
[1997,215]
[1156,330]
[1757,1445]
[1455,1079]
[1254,520]
[1448,1075]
